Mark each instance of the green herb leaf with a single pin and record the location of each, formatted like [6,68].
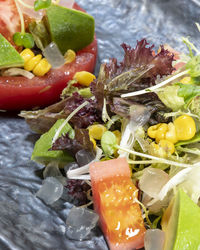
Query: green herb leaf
[108,143]
[41,4]
[188,91]
[23,39]
[194,66]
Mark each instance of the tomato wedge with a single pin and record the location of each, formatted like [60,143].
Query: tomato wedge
[114,200]
[18,93]
[9,19]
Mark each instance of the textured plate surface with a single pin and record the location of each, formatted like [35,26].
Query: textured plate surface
[26,222]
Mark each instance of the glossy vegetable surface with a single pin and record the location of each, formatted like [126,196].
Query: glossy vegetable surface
[21,93]
[114,197]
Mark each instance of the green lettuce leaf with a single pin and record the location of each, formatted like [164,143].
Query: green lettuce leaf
[41,151]
[188,91]
[169,96]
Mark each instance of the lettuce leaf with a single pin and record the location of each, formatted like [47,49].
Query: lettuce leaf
[41,151]
[72,145]
[170,97]
[188,91]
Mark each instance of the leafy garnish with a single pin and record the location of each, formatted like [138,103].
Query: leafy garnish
[22,38]
[188,91]
[42,120]
[72,146]
[138,70]
[194,66]
[41,4]
[169,96]
[41,151]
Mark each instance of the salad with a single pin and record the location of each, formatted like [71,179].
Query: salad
[129,145]
[41,50]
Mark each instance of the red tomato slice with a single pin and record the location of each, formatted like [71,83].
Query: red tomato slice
[113,195]
[9,19]
[18,93]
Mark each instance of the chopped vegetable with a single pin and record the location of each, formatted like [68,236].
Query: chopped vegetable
[84,78]
[115,200]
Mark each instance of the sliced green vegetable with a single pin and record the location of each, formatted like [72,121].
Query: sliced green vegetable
[9,57]
[181,223]
[41,4]
[41,151]
[69,28]
[23,39]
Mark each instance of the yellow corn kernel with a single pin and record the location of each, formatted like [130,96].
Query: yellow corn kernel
[186,80]
[42,67]
[27,54]
[167,146]
[118,135]
[185,127]
[171,133]
[30,65]
[96,131]
[161,132]
[94,142]
[70,56]
[152,130]
[156,150]
[84,78]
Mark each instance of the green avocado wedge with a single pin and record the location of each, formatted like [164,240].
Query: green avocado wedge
[181,224]
[41,151]
[9,57]
[69,28]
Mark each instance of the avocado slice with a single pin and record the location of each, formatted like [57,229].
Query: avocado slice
[69,28]
[41,151]
[181,224]
[9,57]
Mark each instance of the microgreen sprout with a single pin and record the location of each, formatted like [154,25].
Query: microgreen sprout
[155,87]
[22,38]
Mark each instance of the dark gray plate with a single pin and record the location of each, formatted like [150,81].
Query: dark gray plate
[25,221]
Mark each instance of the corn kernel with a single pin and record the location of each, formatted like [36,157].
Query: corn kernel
[152,130]
[171,133]
[161,132]
[30,65]
[167,146]
[186,80]
[96,131]
[42,67]
[69,56]
[185,127]
[27,54]
[84,78]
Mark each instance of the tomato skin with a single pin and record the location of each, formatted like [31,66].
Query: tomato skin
[120,217]
[17,93]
